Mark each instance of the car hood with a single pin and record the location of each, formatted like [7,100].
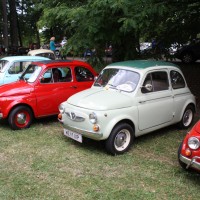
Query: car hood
[197,127]
[100,99]
[15,89]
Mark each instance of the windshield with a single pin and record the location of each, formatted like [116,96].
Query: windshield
[119,79]
[3,64]
[31,73]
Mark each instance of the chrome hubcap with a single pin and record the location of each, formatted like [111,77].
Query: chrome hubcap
[187,117]
[122,140]
[21,118]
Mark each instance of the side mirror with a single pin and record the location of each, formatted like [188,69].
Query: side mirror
[148,87]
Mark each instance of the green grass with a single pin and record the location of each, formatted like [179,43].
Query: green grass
[40,163]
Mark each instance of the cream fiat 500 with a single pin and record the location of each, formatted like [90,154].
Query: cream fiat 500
[128,99]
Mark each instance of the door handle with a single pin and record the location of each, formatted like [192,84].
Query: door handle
[73,86]
[142,101]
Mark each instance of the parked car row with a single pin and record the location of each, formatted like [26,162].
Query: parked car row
[126,100]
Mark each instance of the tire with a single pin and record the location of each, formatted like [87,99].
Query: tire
[187,117]
[120,139]
[182,164]
[187,58]
[20,117]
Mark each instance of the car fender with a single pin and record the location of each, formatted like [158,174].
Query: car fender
[30,102]
[188,102]
[125,116]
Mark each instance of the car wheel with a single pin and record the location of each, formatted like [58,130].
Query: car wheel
[20,117]
[187,117]
[187,58]
[57,53]
[120,139]
[182,164]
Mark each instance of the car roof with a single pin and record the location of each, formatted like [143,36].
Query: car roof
[143,64]
[37,51]
[47,62]
[23,58]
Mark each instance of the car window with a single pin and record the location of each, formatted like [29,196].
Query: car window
[120,79]
[18,67]
[83,74]
[156,81]
[177,80]
[3,64]
[47,55]
[57,75]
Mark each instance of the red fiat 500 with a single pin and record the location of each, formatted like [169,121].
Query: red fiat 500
[189,150]
[41,89]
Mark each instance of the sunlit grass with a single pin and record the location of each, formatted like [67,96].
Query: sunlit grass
[40,163]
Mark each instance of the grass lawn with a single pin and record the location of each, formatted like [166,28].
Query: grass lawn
[40,163]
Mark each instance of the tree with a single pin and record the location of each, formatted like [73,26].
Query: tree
[13,23]
[4,23]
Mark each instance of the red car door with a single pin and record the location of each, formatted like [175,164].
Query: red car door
[53,90]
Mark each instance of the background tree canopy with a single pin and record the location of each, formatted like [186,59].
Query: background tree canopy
[93,23]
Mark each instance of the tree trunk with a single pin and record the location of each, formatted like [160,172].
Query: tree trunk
[13,23]
[5,24]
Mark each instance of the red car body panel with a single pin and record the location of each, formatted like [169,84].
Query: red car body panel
[43,99]
[195,154]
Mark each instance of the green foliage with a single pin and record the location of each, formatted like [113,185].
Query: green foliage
[124,23]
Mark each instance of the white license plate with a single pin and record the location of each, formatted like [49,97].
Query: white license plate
[73,135]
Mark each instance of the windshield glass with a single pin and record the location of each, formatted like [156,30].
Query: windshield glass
[3,64]
[119,79]
[31,73]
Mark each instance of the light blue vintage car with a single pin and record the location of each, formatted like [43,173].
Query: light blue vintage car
[12,67]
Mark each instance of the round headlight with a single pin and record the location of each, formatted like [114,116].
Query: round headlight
[193,143]
[61,108]
[93,118]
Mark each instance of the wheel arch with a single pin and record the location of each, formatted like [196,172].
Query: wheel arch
[20,104]
[127,121]
[186,105]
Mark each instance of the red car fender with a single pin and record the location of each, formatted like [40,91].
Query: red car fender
[10,104]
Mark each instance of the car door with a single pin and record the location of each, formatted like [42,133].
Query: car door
[155,105]
[55,86]
[15,70]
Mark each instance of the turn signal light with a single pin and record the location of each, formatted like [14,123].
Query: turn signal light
[188,152]
[60,116]
[95,128]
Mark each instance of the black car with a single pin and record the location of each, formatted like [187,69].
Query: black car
[189,53]
[17,50]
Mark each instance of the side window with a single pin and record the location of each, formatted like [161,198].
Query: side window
[158,81]
[57,75]
[147,82]
[83,74]
[177,80]
[18,67]
[47,77]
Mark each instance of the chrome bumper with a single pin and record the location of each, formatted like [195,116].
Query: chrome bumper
[85,133]
[191,162]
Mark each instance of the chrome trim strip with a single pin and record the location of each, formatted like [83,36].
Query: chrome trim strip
[72,116]
[190,162]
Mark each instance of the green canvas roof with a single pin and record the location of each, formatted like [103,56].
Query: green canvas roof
[142,64]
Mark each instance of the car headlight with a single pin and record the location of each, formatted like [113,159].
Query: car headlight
[61,108]
[93,118]
[193,143]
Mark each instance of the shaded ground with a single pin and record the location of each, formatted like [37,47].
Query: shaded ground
[192,75]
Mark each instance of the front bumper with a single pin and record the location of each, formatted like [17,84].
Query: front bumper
[191,162]
[85,133]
